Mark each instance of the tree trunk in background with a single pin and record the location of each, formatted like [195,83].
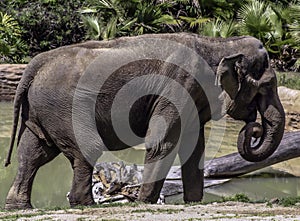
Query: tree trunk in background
[10,75]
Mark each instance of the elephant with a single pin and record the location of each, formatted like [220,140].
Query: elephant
[160,89]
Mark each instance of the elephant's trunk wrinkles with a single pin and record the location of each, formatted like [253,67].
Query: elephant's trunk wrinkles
[270,133]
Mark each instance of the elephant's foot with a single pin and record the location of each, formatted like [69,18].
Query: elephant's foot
[193,189]
[13,204]
[17,198]
[80,198]
[146,200]
[149,192]
[75,203]
[193,197]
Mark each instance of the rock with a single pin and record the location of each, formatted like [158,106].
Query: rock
[290,100]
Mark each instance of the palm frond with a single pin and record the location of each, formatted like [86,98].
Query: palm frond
[255,20]
[4,48]
[9,25]
[166,19]
[86,10]
[110,31]
[128,24]
[227,29]
[218,28]
[295,26]
[94,30]
[193,22]
[295,11]
[12,48]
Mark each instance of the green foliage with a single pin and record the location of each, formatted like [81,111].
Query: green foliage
[289,201]
[193,15]
[294,25]
[239,197]
[274,24]
[219,28]
[207,8]
[289,80]
[48,24]
[12,48]
[107,19]
[255,20]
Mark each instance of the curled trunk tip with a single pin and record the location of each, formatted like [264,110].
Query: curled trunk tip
[245,148]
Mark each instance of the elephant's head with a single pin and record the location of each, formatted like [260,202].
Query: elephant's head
[249,84]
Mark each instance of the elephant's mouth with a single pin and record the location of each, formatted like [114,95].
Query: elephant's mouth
[238,111]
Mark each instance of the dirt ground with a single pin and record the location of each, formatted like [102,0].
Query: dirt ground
[214,211]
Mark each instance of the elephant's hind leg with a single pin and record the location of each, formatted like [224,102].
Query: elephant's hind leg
[32,154]
[81,192]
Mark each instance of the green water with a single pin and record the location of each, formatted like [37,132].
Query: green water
[53,180]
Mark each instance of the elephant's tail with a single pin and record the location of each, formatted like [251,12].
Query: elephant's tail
[17,107]
[21,99]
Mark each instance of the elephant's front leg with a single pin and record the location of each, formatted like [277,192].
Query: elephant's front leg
[192,167]
[161,151]
[154,175]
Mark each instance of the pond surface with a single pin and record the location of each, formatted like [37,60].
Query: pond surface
[53,180]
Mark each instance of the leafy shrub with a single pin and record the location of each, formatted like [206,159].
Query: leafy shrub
[12,48]
[289,201]
[48,24]
[277,25]
[107,19]
[239,197]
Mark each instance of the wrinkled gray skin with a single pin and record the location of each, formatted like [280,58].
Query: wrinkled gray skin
[46,91]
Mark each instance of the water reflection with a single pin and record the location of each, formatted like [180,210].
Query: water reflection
[259,188]
[53,180]
[256,188]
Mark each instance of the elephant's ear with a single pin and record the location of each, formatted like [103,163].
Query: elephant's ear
[227,76]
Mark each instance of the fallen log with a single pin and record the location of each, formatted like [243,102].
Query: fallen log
[233,165]
[117,182]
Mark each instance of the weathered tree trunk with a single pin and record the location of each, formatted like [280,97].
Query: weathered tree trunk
[10,75]
[125,182]
[233,165]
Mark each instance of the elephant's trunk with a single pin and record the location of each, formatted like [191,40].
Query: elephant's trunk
[270,133]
